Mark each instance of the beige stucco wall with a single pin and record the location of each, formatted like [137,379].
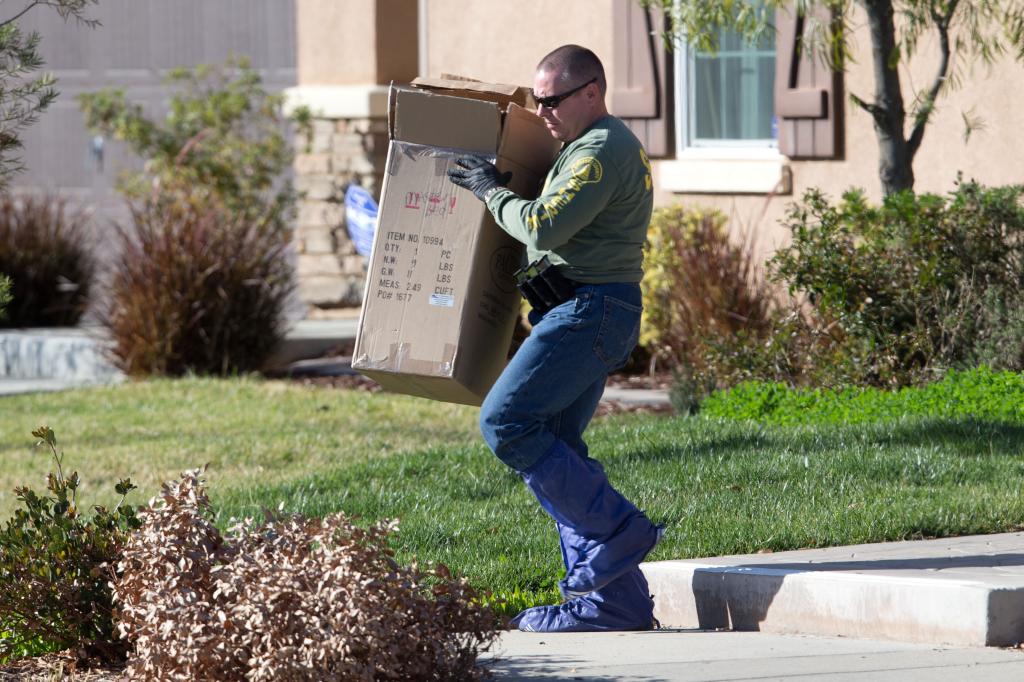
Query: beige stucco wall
[397,40]
[503,41]
[355,42]
[335,41]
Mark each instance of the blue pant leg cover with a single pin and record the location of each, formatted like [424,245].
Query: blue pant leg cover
[623,604]
[614,535]
[534,417]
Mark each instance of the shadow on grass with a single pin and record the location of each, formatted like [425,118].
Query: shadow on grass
[984,437]
[970,437]
[392,484]
[712,447]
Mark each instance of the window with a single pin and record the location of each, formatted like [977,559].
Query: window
[726,99]
[726,129]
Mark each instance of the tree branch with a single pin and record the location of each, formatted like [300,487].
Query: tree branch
[942,22]
[20,14]
[65,8]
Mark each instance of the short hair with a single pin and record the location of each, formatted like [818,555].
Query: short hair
[574,65]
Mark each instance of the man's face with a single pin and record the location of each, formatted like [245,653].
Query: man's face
[567,120]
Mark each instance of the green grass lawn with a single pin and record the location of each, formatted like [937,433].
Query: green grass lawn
[722,487]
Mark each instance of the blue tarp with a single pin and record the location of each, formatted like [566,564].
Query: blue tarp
[360,218]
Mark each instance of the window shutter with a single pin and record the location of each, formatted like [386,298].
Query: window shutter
[640,96]
[808,94]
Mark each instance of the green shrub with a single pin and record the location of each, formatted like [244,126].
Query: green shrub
[901,292]
[5,295]
[45,253]
[197,288]
[56,565]
[988,323]
[980,393]
[224,134]
[202,279]
[706,310]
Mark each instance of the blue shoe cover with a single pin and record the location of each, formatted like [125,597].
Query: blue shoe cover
[624,604]
[601,559]
[612,535]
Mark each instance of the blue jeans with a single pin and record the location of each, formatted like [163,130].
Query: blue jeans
[533,419]
[550,389]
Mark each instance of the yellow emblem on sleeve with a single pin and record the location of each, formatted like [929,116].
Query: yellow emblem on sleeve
[647,164]
[587,170]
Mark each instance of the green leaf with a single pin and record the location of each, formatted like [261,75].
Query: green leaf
[125,486]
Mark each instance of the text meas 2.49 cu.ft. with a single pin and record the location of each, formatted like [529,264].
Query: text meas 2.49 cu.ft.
[440,304]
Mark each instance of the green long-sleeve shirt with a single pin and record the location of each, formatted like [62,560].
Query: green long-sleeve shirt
[592,216]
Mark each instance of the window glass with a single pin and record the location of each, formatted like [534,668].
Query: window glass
[731,99]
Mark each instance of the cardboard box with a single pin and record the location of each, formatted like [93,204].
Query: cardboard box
[440,303]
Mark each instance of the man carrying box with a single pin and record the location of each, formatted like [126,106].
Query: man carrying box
[584,236]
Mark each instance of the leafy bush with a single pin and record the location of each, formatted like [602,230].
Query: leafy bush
[203,275]
[988,323]
[224,133]
[980,393]
[5,295]
[56,565]
[197,288]
[288,599]
[703,299]
[44,251]
[905,290]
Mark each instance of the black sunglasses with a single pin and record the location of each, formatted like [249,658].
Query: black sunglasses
[552,101]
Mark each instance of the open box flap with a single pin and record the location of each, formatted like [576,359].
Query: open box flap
[430,118]
[502,93]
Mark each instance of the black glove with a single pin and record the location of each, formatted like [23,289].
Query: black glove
[477,175]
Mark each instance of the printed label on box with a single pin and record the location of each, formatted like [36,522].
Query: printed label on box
[443,300]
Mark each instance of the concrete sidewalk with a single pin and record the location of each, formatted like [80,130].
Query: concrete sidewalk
[696,656]
[914,611]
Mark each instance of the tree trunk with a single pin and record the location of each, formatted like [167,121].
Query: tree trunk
[895,158]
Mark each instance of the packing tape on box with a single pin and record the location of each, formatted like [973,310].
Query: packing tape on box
[399,361]
[444,156]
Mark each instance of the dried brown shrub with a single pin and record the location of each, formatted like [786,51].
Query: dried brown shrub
[198,287]
[46,253]
[288,599]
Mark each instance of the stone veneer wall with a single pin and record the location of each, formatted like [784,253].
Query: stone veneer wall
[343,150]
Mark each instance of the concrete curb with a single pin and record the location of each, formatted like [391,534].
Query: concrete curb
[313,338]
[960,591]
[55,359]
[631,397]
[74,355]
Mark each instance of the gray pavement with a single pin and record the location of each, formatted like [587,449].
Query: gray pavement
[709,656]
[908,611]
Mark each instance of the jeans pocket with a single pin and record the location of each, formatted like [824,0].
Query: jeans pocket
[620,330]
